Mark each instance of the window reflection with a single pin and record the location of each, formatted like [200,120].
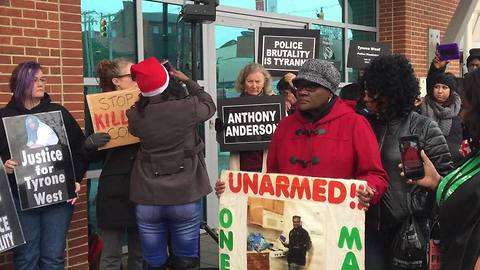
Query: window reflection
[330,10]
[164,37]
[108,32]
[235,48]
[362,12]
[331,45]
[353,73]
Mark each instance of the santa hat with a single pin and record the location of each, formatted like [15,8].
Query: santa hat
[151,76]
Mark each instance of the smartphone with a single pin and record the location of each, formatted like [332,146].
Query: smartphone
[168,66]
[448,51]
[411,159]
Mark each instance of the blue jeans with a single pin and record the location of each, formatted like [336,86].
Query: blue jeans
[156,223]
[45,230]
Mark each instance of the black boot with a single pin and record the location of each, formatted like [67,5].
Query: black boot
[186,263]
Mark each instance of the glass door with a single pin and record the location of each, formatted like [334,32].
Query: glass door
[229,44]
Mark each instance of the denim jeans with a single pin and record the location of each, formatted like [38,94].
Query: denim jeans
[156,223]
[45,230]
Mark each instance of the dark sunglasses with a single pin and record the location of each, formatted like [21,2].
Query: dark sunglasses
[305,85]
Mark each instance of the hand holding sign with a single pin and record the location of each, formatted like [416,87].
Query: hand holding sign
[10,166]
[97,140]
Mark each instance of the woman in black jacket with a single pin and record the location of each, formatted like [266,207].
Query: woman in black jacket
[390,90]
[115,212]
[443,104]
[45,228]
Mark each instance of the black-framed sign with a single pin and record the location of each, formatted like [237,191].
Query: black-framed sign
[282,50]
[361,53]
[249,122]
[39,144]
[11,234]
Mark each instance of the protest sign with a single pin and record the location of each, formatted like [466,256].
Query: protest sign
[283,50]
[39,144]
[361,53]
[107,111]
[11,234]
[256,215]
[249,122]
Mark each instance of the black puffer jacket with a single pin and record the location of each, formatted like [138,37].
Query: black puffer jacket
[393,208]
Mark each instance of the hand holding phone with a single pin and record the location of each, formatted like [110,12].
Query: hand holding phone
[168,66]
[411,159]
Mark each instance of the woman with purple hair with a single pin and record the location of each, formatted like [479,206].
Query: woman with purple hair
[45,229]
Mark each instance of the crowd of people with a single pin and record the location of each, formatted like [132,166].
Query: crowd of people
[151,191]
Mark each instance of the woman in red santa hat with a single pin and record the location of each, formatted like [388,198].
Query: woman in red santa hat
[169,176]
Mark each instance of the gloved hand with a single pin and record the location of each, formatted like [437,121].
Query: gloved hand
[97,140]
[219,126]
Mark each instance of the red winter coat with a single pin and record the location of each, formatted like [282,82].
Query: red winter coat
[339,145]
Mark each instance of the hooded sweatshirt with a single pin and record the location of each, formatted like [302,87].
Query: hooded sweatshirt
[341,144]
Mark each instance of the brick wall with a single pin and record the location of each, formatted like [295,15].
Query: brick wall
[405,24]
[49,32]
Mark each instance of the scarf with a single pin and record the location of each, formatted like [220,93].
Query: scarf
[442,115]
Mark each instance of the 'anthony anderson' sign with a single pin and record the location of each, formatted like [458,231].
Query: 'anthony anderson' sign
[11,234]
[39,144]
[361,53]
[283,50]
[107,111]
[249,122]
[256,230]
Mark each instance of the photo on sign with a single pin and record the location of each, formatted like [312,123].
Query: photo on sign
[11,234]
[285,231]
[270,221]
[39,144]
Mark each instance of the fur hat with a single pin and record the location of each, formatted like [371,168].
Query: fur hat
[151,76]
[320,72]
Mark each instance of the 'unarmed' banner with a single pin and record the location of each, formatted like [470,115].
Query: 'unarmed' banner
[11,234]
[39,144]
[249,122]
[108,115]
[267,221]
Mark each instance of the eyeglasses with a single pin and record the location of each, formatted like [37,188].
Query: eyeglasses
[40,80]
[309,87]
[124,75]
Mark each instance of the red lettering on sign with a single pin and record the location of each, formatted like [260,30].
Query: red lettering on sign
[319,190]
[299,188]
[333,196]
[97,119]
[282,185]
[266,185]
[233,188]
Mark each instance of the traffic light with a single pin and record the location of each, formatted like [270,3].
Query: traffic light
[103,27]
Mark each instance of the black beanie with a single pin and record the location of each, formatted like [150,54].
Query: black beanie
[447,80]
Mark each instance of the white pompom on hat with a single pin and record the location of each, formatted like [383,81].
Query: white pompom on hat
[152,78]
